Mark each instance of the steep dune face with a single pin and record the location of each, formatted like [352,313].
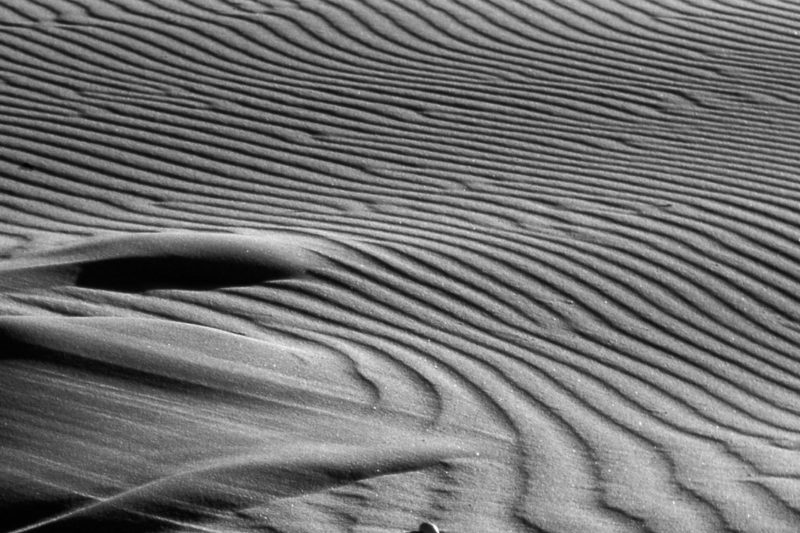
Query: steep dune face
[310,265]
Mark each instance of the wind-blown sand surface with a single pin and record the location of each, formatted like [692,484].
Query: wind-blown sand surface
[349,265]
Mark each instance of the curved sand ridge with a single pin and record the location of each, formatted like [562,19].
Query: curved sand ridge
[563,235]
[137,263]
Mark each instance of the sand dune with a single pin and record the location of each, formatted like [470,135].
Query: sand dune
[318,266]
[239,482]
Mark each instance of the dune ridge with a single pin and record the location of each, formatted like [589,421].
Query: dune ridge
[560,235]
[165,260]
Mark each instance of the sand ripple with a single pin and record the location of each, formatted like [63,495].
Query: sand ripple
[302,265]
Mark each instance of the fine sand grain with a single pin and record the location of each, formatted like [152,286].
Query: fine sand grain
[327,266]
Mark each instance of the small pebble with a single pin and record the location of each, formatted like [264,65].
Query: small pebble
[427,527]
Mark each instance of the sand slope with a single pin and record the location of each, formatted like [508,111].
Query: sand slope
[301,265]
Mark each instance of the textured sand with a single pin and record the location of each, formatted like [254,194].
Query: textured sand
[350,265]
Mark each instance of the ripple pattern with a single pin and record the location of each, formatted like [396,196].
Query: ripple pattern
[562,233]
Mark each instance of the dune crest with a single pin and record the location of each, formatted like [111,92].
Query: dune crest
[165,260]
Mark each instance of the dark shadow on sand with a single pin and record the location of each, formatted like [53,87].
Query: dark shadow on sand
[140,274]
